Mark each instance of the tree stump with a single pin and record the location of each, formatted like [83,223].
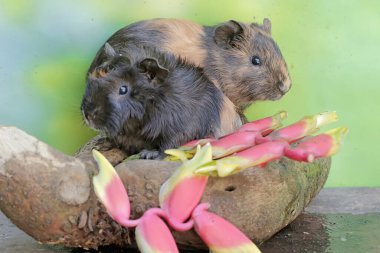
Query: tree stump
[49,195]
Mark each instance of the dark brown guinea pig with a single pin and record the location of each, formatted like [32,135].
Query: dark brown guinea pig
[146,102]
[240,58]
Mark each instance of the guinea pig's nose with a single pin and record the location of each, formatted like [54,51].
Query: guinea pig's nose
[283,87]
[91,115]
[85,113]
[88,110]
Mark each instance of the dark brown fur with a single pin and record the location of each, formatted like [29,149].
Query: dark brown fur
[168,102]
[225,52]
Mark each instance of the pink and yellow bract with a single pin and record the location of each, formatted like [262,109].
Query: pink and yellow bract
[110,190]
[243,138]
[152,234]
[322,145]
[254,156]
[265,124]
[232,143]
[220,235]
[306,126]
[180,195]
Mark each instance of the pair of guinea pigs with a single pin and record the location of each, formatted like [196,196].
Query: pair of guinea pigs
[157,84]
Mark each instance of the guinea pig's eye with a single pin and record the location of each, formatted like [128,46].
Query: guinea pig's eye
[123,90]
[256,60]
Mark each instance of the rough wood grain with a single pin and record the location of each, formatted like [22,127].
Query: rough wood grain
[49,195]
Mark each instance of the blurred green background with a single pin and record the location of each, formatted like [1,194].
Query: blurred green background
[332,49]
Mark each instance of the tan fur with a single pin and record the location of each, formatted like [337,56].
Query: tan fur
[98,73]
[184,39]
[236,92]
[229,118]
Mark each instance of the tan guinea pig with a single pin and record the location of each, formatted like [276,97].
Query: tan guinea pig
[240,58]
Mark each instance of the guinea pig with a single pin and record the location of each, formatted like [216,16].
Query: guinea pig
[240,58]
[147,102]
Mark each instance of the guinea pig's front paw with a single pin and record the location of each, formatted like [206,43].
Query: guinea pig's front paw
[151,154]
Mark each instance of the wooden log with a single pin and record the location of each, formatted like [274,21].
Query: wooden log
[49,194]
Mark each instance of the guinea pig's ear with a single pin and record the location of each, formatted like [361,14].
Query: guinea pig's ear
[228,35]
[109,51]
[153,69]
[267,26]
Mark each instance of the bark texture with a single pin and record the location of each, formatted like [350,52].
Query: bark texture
[49,195]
